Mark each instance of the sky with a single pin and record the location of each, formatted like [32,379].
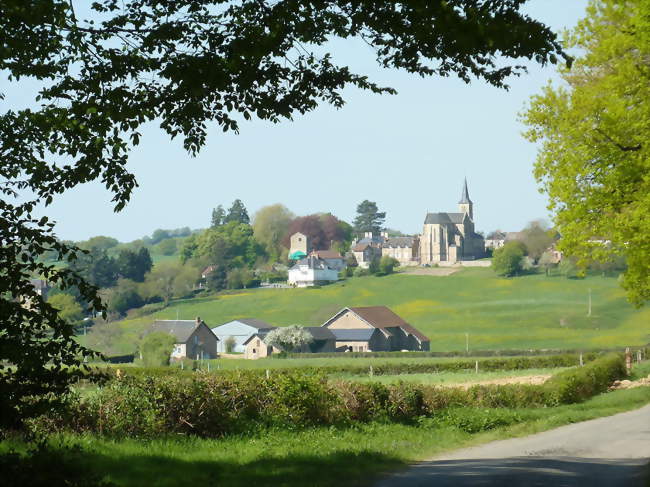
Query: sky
[408,152]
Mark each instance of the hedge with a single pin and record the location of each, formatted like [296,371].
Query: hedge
[397,368]
[212,405]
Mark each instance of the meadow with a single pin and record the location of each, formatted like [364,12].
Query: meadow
[526,312]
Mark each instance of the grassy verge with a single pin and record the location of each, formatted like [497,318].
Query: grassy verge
[318,456]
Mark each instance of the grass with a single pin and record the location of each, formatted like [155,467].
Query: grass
[319,457]
[527,312]
[451,377]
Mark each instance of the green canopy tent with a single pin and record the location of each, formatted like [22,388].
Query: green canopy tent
[297,255]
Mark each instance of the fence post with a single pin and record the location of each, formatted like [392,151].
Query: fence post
[628,360]
[638,355]
[268,373]
[477,366]
[582,363]
[370,372]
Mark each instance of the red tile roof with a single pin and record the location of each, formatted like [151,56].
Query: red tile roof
[383,317]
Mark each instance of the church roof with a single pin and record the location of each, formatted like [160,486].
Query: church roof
[464,197]
[441,218]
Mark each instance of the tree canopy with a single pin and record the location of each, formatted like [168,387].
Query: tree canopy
[594,131]
[270,225]
[369,218]
[237,213]
[107,69]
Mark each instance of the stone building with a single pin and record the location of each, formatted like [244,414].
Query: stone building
[450,237]
[299,246]
[404,249]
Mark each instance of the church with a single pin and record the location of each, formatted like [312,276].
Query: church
[450,237]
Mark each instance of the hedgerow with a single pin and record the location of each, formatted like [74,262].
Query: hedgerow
[214,405]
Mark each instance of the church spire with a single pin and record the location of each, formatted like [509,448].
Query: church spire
[464,198]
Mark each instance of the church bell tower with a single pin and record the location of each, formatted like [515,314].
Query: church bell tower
[465,205]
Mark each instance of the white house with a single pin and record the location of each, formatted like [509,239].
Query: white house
[312,271]
[332,258]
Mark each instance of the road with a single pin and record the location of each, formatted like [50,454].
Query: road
[605,452]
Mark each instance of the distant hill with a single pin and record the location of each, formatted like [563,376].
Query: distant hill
[526,312]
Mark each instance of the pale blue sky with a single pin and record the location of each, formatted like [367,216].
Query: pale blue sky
[408,152]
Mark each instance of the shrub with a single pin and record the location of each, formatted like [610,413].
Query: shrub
[507,260]
[156,349]
[581,383]
[230,344]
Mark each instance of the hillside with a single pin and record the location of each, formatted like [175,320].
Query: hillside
[526,312]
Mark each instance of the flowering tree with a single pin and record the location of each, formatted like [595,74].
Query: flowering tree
[289,338]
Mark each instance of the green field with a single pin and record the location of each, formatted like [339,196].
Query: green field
[528,312]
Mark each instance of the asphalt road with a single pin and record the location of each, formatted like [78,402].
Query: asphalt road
[605,452]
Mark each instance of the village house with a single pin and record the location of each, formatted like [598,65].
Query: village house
[403,249]
[193,339]
[368,248]
[239,331]
[395,334]
[323,340]
[332,258]
[311,271]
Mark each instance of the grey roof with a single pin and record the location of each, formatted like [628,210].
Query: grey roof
[442,218]
[399,242]
[180,329]
[354,335]
[464,197]
[375,239]
[312,262]
[255,323]
[261,335]
[320,333]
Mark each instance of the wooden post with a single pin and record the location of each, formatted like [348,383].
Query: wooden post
[371,371]
[582,363]
[182,364]
[208,366]
[466,343]
[638,355]
[268,373]
[628,360]
[477,366]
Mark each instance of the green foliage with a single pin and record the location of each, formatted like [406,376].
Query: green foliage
[100,242]
[169,279]
[241,278]
[167,247]
[537,238]
[387,265]
[576,385]
[369,218]
[237,213]
[592,131]
[67,306]
[87,109]
[270,225]
[96,267]
[156,349]
[568,268]
[123,297]
[230,245]
[218,216]
[132,264]
[507,260]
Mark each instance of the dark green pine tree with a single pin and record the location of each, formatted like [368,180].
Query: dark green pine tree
[237,213]
[218,217]
[369,218]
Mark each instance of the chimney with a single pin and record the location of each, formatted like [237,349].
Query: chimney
[198,320]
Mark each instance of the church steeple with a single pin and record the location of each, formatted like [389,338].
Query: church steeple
[465,205]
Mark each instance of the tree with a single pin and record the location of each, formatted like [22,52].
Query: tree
[369,218]
[218,217]
[288,338]
[230,344]
[67,306]
[105,71]
[537,238]
[270,225]
[387,265]
[125,295]
[156,349]
[170,279]
[96,267]
[230,245]
[594,153]
[324,231]
[237,213]
[547,262]
[134,264]
[99,242]
[167,247]
[507,260]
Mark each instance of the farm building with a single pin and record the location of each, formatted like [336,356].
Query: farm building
[311,271]
[323,340]
[394,333]
[240,330]
[193,338]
